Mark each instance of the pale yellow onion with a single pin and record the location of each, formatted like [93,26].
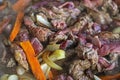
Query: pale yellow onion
[33,17]
[47,60]
[20,70]
[52,47]
[45,68]
[96,77]
[13,77]
[42,20]
[57,55]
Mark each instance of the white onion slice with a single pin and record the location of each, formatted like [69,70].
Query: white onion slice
[13,77]
[42,20]
[20,70]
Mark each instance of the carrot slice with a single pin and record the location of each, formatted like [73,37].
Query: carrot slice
[111,77]
[20,5]
[34,63]
[50,75]
[17,26]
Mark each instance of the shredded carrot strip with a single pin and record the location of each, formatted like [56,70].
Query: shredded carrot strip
[34,63]
[3,6]
[50,75]
[116,76]
[20,5]
[17,26]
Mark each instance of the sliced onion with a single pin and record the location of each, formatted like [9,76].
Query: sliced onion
[53,47]
[57,55]
[50,62]
[20,70]
[45,68]
[96,77]
[13,77]
[42,20]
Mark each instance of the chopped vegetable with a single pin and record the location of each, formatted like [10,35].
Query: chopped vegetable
[96,77]
[116,76]
[34,63]
[45,68]
[58,54]
[41,20]
[20,70]
[13,77]
[50,75]
[20,5]
[39,55]
[52,47]
[49,62]
[17,26]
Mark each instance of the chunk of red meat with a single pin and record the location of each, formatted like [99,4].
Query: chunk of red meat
[59,24]
[38,47]
[23,35]
[40,32]
[66,44]
[109,48]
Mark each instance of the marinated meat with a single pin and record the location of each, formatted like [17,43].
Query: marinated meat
[59,24]
[38,47]
[40,32]
[77,69]
[111,7]
[23,35]
[63,77]
[80,24]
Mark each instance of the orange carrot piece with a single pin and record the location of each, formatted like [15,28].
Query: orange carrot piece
[20,5]
[50,75]
[17,26]
[111,77]
[34,63]
[3,6]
